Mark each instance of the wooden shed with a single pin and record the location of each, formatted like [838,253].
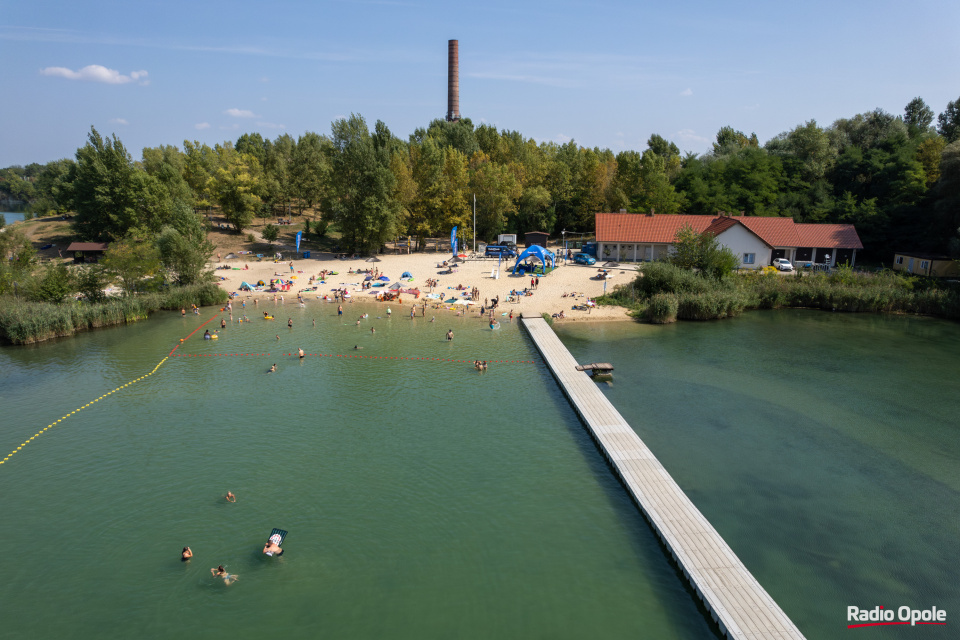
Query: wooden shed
[538,238]
[87,251]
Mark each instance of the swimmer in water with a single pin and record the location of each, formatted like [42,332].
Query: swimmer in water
[450,334]
[230,497]
[372,330]
[290,323]
[357,347]
[433,318]
[271,548]
[186,554]
[300,352]
[220,572]
[278,337]
[223,324]
[272,369]
[358,323]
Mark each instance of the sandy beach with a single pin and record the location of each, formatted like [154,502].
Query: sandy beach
[564,288]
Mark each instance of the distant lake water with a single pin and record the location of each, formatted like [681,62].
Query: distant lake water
[426,500]
[11,216]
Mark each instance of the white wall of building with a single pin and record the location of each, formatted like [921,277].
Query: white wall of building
[743,243]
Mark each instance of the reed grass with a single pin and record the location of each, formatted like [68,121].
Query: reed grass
[23,322]
[664,293]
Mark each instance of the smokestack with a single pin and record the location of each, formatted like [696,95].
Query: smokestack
[453,81]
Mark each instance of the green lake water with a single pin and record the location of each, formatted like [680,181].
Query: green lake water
[427,500]
[423,499]
[825,448]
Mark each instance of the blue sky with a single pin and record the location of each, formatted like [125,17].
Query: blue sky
[604,73]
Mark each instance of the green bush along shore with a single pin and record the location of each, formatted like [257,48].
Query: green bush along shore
[665,293]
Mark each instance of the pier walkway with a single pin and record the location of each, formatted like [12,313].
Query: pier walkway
[738,603]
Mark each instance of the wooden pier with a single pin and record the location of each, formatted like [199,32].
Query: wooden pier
[738,603]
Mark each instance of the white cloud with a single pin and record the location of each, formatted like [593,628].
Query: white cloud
[688,136]
[270,125]
[200,126]
[687,92]
[118,121]
[96,73]
[562,138]
[240,113]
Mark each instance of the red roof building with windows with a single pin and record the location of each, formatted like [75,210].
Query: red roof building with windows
[639,236]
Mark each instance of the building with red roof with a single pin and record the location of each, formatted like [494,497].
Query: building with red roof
[641,237]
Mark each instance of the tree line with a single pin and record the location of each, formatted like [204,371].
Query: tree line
[896,177]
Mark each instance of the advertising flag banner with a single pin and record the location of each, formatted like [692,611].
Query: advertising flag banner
[299,233]
[453,240]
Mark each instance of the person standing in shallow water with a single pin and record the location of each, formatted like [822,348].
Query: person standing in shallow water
[186,554]
[449,334]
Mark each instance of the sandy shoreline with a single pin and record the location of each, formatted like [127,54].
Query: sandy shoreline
[574,280]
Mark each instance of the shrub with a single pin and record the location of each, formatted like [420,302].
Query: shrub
[661,308]
[663,277]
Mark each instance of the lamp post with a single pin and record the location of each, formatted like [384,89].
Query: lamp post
[563,236]
[474,223]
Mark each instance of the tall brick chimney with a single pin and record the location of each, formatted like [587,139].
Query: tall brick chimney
[453,81]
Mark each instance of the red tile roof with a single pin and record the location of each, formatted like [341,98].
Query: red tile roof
[633,227]
[776,232]
[828,236]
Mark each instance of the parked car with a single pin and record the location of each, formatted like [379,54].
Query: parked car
[497,250]
[782,264]
[584,258]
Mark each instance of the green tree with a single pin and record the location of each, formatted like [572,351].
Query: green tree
[703,253]
[92,279]
[361,198]
[729,140]
[310,169]
[917,116]
[185,257]
[52,187]
[54,283]
[130,261]
[656,192]
[929,153]
[17,258]
[110,194]
[270,233]
[234,186]
[948,122]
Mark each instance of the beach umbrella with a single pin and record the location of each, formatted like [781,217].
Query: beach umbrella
[373,259]
[406,274]
[396,286]
[457,259]
[611,264]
